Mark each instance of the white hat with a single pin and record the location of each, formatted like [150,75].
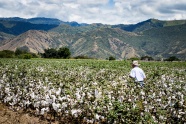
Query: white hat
[135,63]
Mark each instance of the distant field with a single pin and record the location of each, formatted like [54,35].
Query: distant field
[89,91]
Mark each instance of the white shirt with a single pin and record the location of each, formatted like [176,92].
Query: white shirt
[137,73]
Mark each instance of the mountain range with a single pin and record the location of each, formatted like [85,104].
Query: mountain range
[152,37]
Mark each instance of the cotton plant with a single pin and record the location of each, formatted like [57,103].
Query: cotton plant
[94,90]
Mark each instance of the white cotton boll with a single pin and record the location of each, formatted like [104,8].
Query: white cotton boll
[121,98]
[59,98]
[114,83]
[173,97]
[75,111]
[8,98]
[53,98]
[134,106]
[97,94]
[64,105]
[32,95]
[89,95]
[83,95]
[42,112]
[27,103]
[145,102]
[4,76]
[37,111]
[46,79]
[179,116]
[109,96]
[97,117]
[146,110]
[181,113]
[59,110]
[132,90]
[161,117]
[163,78]
[37,104]
[47,97]
[56,106]
[78,96]
[158,100]
[58,92]
[142,93]
[61,84]
[7,90]
[44,103]
[181,102]
[95,83]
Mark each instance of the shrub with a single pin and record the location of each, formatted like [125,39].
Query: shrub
[25,56]
[111,58]
[172,58]
[7,54]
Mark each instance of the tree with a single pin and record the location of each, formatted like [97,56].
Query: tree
[7,54]
[19,51]
[172,58]
[64,52]
[50,53]
[111,58]
[148,58]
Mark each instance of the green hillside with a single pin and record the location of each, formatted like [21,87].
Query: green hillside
[18,27]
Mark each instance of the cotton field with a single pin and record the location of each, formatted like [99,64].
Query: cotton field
[94,91]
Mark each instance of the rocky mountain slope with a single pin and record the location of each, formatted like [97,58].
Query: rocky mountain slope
[33,41]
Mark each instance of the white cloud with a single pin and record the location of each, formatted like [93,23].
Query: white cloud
[96,11]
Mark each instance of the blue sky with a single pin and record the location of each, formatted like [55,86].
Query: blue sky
[96,11]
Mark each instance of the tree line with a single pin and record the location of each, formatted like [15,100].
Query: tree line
[62,52]
[22,54]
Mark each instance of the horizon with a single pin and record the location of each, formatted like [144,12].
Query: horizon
[92,23]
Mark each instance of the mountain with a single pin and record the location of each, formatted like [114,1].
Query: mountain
[19,27]
[148,24]
[33,41]
[156,38]
[42,20]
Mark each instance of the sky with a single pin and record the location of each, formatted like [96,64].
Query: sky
[96,11]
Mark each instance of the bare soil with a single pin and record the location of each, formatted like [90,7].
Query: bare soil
[8,116]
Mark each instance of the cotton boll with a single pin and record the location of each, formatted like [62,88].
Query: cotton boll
[58,92]
[75,112]
[44,103]
[64,105]
[43,110]
[56,106]
[97,117]
[37,111]
[37,104]
[7,90]
[78,96]
[158,100]
[53,98]
[142,93]
[32,95]
[27,103]
[89,95]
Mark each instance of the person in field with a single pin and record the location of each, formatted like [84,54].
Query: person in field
[137,74]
